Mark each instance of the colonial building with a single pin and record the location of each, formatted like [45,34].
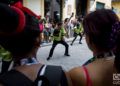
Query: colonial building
[37,6]
[99,4]
[82,7]
[61,8]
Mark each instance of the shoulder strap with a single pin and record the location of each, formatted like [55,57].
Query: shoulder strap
[55,75]
[41,77]
[88,80]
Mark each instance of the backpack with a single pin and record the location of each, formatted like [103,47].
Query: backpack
[53,76]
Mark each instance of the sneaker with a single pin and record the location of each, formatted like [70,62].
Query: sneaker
[48,58]
[66,54]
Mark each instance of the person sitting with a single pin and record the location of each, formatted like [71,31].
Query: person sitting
[19,34]
[102,33]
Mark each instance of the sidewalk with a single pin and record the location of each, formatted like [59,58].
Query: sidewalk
[66,39]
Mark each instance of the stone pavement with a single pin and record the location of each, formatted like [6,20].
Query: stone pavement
[79,54]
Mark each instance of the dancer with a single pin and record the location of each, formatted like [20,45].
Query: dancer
[58,38]
[19,34]
[77,32]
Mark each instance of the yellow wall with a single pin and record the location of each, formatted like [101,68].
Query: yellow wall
[116,6]
[88,6]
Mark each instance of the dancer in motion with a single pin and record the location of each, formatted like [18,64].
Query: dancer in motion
[58,38]
[77,32]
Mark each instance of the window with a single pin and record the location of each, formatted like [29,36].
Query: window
[100,5]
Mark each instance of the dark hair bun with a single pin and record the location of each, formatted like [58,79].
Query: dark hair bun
[8,19]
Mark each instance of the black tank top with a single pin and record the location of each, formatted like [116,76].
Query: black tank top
[47,75]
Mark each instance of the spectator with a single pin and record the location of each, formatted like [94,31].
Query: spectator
[47,32]
[41,27]
[72,25]
[102,31]
[66,25]
[52,31]
[6,59]
[19,34]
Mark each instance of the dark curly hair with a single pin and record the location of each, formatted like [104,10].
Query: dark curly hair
[22,42]
[98,27]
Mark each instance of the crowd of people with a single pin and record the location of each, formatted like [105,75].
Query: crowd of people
[20,37]
[47,27]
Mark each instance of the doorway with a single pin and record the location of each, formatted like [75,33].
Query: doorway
[81,6]
[53,9]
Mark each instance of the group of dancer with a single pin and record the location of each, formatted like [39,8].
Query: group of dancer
[60,32]
[58,37]
[19,35]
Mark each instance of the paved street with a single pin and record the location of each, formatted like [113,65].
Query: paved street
[79,54]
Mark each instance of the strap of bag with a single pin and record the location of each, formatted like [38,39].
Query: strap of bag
[41,78]
[55,75]
[15,78]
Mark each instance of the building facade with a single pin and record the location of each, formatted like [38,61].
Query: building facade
[116,7]
[37,6]
[62,8]
[69,7]
[82,7]
[99,4]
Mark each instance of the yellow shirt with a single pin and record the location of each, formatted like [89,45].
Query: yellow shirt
[5,55]
[78,30]
[60,35]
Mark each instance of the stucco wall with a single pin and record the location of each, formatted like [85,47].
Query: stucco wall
[106,2]
[37,6]
[116,6]
[69,8]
